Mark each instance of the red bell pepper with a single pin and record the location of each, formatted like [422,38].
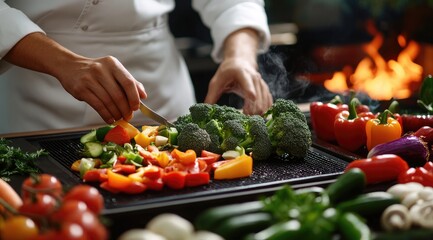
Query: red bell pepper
[117,135]
[153,184]
[381,168]
[95,175]
[322,117]
[349,127]
[174,180]
[197,179]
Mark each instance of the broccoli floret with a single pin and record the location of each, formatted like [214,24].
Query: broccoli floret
[284,106]
[233,132]
[193,137]
[289,135]
[182,121]
[201,113]
[214,129]
[257,138]
[225,113]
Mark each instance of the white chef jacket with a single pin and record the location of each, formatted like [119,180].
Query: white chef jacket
[134,31]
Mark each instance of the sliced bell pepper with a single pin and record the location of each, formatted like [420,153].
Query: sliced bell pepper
[124,168]
[146,136]
[349,127]
[239,167]
[382,129]
[186,158]
[138,175]
[152,172]
[117,135]
[205,153]
[96,175]
[381,168]
[322,117]
[174,180]
[197,179]
[130,129]
[118,181]
[134,188]
[153,184]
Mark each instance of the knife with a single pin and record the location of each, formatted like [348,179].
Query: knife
[148,112]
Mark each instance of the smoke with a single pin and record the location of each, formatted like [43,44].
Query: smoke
[275,70]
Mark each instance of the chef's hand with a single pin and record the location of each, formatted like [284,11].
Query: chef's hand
[103,83]
[238,74]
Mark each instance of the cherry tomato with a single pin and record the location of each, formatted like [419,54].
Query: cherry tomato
[90,224]
[87,194]
[40,206]
[44,183]
[68,207]
[19,227]
[72,231]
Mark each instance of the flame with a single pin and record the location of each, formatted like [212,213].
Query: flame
[381,79]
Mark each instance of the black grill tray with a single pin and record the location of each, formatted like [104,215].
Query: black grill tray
[318,166]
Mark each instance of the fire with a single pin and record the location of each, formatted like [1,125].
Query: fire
[381,79]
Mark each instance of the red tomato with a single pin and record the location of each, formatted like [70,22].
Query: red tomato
[419,175]
[44,183]
[40,206]
[381,168]
[68,207]
[429,166]
[19,227]
[90,224]
[72,231]
[87,194]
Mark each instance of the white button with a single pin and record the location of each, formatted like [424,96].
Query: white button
[94,2]
[84,28]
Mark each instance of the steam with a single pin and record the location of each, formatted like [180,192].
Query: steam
[280,80]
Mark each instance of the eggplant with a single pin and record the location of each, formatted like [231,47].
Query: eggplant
[413,149]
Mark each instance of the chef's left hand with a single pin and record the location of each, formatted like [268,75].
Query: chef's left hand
[238,74]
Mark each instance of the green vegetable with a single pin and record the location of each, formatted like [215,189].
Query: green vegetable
[193,137]
[102,131]
[257,138]
[89,137]
[214,216]
[288,129]
[182,121]
[169,132]
[411,234]
[426,94]
[214,129]
[369,204]
[348,185]
[353,227]
[233,132]
[239,226]
[85,165]
[14,161]
[291,229]
[92,149]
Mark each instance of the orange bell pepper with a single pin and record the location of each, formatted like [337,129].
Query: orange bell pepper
[132,131]
[382,129]
[239,167]
[186,158]
[118,181]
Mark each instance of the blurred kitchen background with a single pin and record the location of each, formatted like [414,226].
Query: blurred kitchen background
[321,47]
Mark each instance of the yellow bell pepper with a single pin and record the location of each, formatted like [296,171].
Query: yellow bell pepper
[239,167]
[382,129]
[132,131]
[146,136]
[137,176]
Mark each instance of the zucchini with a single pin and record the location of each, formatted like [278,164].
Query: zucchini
[348,185]
[212,217]
[352,227]
[102,131]
[88,137]
[93,149]
[369,204]
[238,227]
[291,229]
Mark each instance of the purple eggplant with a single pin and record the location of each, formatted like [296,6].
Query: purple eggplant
[413,149]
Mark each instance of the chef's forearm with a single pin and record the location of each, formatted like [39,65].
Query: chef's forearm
[242,44]
[38,52]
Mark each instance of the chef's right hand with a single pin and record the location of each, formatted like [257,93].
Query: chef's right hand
[105,85]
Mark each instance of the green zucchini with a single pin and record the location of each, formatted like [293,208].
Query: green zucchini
[347,186]
[210,218]
[88,137]
[352,227]
[238,227]
[411,234]
[291,229]
[93,149]
[368,204]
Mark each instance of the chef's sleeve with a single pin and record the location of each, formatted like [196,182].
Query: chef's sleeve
[224,17]
[14,25]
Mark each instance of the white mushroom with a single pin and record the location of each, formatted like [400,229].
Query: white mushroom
[140,234]
[411,199]
[205,235]
[401,190]
[396,217]
[426,194]
[171,226]
[422,214]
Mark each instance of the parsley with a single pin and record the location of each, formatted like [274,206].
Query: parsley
[14,161]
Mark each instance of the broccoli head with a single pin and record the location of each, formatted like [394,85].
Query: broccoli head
[182,121]
[281,106]
[193,137]
[214,129]
[201,113]
[224,113]
[233,133]
[257,138]
[289,135]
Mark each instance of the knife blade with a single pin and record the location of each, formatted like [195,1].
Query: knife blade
[148,112]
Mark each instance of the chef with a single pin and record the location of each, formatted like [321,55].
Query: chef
[108,54]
